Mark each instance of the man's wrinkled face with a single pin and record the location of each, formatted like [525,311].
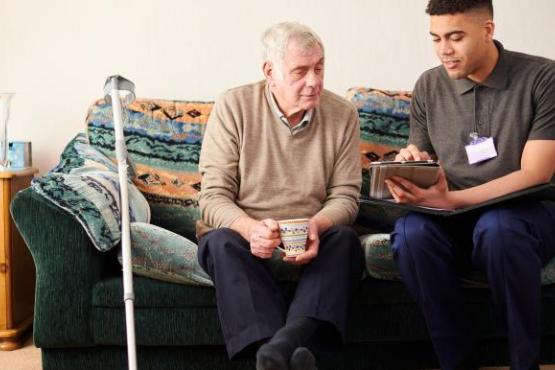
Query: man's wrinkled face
[298,82]
[461,42]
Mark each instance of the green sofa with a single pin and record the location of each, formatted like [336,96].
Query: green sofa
[79,313]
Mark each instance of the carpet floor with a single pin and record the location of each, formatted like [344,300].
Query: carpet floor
[28,358]
[25,358]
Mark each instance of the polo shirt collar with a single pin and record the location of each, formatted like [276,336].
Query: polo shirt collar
[498,79]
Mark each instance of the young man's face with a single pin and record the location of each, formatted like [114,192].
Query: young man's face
[462,42]
[297,85]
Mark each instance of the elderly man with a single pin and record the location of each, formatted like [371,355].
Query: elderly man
[278,149]
[488,114]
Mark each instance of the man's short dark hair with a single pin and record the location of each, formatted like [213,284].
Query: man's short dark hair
[441,7]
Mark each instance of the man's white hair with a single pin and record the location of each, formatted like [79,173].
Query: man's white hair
[276,38]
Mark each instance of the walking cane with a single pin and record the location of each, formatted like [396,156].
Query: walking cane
[119,91]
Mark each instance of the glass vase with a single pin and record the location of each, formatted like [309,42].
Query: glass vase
[5,99]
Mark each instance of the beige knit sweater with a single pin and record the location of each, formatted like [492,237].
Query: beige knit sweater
[252,165]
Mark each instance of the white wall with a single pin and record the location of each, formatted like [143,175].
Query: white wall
[56,54]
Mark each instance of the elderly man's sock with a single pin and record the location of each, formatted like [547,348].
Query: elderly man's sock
[275,354]
[302,359]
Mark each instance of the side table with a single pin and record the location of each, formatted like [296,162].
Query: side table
[17,269]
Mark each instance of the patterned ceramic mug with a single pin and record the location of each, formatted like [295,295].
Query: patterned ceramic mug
[293,234]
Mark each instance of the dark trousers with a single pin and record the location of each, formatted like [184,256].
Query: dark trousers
[510,244]
[251,305]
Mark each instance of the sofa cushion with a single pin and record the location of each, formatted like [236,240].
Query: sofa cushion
[85,183]
[380,264]
[548,273]
[384,123]
[384,129]
[384,120]
[381,310]
[163,139]
[151,293]
[379,257]
[161,254]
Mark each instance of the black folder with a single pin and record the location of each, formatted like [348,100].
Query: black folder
[544,192]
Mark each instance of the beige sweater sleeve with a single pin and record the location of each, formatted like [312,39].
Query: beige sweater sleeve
[341,205]
[218,165]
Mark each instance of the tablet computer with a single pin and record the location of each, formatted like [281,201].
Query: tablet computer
[422,173]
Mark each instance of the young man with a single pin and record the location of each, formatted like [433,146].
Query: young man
[279,149]
[488,115]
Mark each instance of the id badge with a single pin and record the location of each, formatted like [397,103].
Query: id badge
[480,149]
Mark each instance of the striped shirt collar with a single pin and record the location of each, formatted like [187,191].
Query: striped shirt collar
[307,117]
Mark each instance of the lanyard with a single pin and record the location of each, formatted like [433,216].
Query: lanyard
[474,134]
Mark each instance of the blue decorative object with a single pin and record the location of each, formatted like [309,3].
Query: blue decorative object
[19,154]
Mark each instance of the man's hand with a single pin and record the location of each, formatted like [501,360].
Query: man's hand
[412,153]
[264,238]
[437,195]
[312,245]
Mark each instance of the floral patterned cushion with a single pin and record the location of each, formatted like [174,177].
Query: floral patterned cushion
[379,257]
[384,121]
[160,254]
[380,263]
[163,139]
[85,184]
[548,273]
[384,129]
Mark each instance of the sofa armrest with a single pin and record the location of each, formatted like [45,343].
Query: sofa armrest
[67,267]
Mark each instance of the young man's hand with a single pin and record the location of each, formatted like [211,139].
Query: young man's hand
[437,195]
[412,153]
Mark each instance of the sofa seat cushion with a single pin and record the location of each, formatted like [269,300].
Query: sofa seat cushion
[152,293]
[161,326]
[163,140]
[172,314]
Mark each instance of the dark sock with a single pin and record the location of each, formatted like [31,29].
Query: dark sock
[302,359]
[268,359]
[275,354]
